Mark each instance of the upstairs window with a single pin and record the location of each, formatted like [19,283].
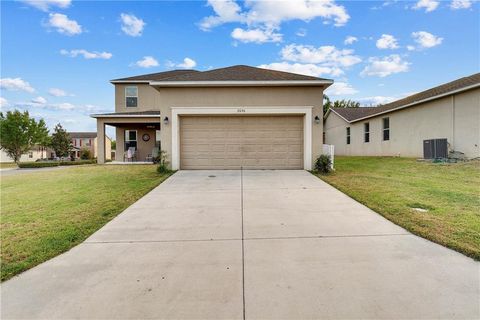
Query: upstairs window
[131,97]
[348,135]
[386,129]
[366,130]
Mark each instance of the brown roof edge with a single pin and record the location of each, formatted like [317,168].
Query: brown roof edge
[463,84]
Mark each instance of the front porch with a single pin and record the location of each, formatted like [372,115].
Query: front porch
[137,136]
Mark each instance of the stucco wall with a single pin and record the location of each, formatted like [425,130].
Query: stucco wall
[163,99]
[242,97]
[456,118]
[148,98]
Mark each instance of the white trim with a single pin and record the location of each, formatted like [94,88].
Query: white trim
[419,102]
[300,110]
[338,115]
[130,81]
[325,83]
[124,116]
[406,105]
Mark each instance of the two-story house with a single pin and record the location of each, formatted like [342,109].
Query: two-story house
[226,118]
[89,140]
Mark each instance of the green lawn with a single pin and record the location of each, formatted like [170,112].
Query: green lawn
[393,186]
[4,165]
[46,213]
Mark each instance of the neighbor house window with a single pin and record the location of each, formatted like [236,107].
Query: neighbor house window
[86,142]
[30,154]
[131,96]
[348,135]
[386,129]
[130,139]
[366,130]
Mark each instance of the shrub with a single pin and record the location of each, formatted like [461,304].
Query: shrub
[78,162]
[163,163]
[323,164]
[42,164]
[86,154]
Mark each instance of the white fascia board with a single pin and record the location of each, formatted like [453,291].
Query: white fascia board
[302,83]
[124,116]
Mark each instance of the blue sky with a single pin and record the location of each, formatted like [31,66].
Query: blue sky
[57,56]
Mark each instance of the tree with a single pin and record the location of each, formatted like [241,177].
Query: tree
[61,143]
[114,145]
[19,133]
[327,104]
[86,154]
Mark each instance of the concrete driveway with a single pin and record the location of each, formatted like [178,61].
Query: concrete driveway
[254,245]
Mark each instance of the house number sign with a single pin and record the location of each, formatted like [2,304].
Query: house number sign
[241,110]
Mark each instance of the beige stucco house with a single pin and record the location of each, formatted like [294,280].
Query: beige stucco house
[226,118]
[36,153]
[89,140]
[450,111]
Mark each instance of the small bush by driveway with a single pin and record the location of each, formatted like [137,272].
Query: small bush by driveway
[439,202]
[46,213]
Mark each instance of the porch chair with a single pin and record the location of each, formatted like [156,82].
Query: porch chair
[131,154]
[153,155]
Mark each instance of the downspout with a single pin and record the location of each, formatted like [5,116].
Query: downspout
[453,122]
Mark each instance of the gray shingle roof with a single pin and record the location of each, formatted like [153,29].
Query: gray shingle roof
[233,73]
[353,114]
[136,113]
[83,135]
[156,76]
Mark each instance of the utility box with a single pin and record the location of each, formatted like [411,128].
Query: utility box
[435,148]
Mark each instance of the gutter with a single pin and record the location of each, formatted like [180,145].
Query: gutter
[473,86]
[306,83]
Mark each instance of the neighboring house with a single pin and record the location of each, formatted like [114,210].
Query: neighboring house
[450,111]
[88,140]
[226,118]
[34,154]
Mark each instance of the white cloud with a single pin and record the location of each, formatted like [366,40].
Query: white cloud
[39,100]
[425,39]
[269,15]
[256,35]
[410,48]
[86,54]
[387,41]
[428,5]
[15,84]
[375,100]
[63,24]
[385,66]
[340,89]
[460,4]
[56,92]
[3,102]
[186,64]
[308,69]
[325,55]
[132,25]
[147,62]
[350,40]
[301,32]
[45,5]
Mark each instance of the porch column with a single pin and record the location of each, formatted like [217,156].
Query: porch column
[101,141]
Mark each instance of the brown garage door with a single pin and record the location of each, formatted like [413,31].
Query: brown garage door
[253,142]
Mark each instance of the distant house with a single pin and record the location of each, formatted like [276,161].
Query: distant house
[34,154]
[450,111]
[88,140]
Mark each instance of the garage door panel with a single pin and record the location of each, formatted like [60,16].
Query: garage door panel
[231,142]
